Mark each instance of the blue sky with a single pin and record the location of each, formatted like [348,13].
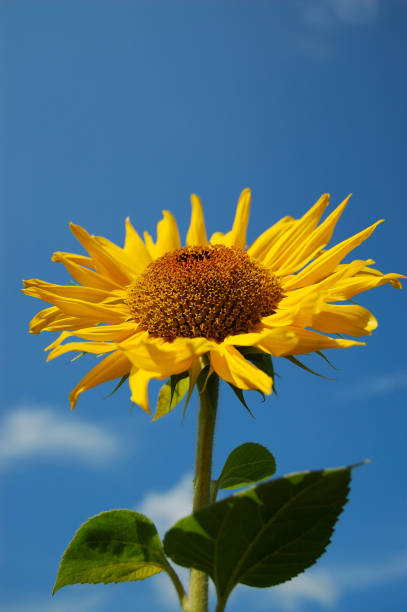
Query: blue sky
[114,109]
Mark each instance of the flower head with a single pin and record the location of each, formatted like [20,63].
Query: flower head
[155,309]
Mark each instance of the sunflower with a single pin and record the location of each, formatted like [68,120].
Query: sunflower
[157,309]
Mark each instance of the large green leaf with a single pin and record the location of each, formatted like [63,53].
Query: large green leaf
[264,536]
[114,546]
[246,465]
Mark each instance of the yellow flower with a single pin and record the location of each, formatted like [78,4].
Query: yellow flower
[156,308]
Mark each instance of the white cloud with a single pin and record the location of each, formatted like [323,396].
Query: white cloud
[324,13]
[380,384]
[323,588]
[166,507]
[326,587]
[164,592]
[318,587]
[30,431]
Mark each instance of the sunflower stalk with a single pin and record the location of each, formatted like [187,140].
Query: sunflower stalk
[209,391]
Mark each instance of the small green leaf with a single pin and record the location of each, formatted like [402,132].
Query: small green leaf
[193,372]
[114,546]
[261,360]
[77,356]
[325,358]
[239,394]
[119,384]
[171,393]
[246,465]
[301,365]
[264,536]
[174,380]
[203,378]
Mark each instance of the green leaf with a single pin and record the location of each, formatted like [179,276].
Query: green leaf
[325,358]
[246,465]
[264,536]
[114,546]
[239,394]
[301,365]
[119,384]
[171,393]
[261,360]
[193,373]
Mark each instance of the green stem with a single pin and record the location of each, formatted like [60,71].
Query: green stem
[198,593]
[221,605]
[182,596]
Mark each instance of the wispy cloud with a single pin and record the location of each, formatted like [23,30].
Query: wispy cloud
[165,507]
[324,13]
[379,384]
[31,431]
[327,587]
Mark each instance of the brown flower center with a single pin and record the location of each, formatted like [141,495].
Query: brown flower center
[210,292]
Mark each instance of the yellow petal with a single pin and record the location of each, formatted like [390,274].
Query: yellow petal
[166,358]
[239,229]
[135,248]
[341,272]
[309,341]
[98,313]
[220,238]
[309,309]
[102,255]
[263,243]
[286,269]
[296,308]
[113,366]
[349,287]
[168,239]
[349,319]
[196,235]
[150,245]
[326,263]
[230,365]
[237,236]
[84,275]
[37,288]
[138,381]
[276,341]
[53,319]
[97,348]
[81,260]
[293,240]
[282,317]
[313,242]
[129,266]
[100,333]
